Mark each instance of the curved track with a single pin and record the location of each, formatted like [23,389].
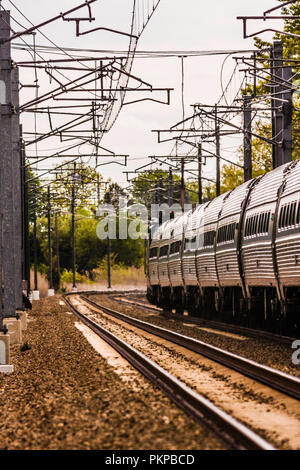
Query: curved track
[273,378]
[231,431]
[229,327]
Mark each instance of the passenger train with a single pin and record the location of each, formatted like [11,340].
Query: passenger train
[235,257]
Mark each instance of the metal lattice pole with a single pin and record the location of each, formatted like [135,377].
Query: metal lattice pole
[200,174]
[247,139]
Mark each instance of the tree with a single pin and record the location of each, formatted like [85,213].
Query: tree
[36,191]
[84,180]
[143,187]
[231,175]
[291,50]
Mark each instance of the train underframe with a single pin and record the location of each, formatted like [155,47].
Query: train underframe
[262,310]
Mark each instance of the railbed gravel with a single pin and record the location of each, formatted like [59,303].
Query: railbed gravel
[64,395]
[278,356]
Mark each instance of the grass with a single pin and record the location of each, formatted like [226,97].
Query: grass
[121,276]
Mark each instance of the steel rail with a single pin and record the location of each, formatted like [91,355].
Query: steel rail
[229,430]
[273,378]
[228,327]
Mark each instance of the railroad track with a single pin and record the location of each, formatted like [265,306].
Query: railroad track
[273,378]
[228,327]
[233,433]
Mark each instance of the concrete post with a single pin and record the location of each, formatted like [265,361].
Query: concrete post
[6,168]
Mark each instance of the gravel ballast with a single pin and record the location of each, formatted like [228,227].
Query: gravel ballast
[64,395]
[278,356]
[271,414]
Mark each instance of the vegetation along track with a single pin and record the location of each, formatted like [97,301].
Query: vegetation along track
[273,378]
[231,431]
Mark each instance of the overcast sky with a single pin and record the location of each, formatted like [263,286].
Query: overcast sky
[176,25]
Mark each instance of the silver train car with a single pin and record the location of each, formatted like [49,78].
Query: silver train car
[236,257]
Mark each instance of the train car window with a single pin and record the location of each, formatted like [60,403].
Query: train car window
[285,215]
[251,220]
[153,253]
[292,213]
[260,223]
[256,225]
[209,238]
[289,215]
[189,243]
[163,250]
[250,226]
[247,228]
[232,231]
[255,220]
[201,239]
[282,216]
[177,247]
[267,222]
[226,233]
[298,214]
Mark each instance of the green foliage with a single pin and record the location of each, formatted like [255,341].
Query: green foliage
[231,175]
[67,277]
[103,267]
[90,250]
[143,187]
[291,50]
[84,179]
[36,191]
[125,275]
